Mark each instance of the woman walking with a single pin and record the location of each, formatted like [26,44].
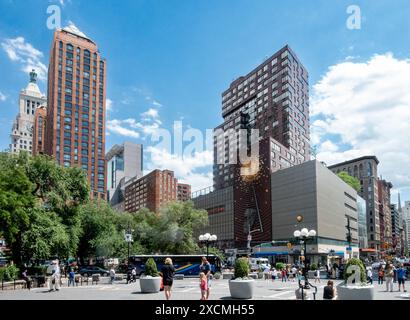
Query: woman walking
[167,273]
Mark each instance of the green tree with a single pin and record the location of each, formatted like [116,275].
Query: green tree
[16,201]
[172,230]
[351,181]
[46,236]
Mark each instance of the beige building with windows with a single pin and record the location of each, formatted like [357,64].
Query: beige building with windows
[30,99]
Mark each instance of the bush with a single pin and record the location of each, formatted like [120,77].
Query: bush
[151,268]
[9,273]
[217,275]
[313,267]
[241,268]
[356,262]
[37,270]
[280,265]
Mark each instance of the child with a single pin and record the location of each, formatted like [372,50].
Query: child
[203,285]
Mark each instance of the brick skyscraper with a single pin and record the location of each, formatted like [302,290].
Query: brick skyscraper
[75,129]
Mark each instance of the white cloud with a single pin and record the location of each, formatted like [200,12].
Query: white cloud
[185,167]
[18,50]
[150,113]
[116,126]
[3,97]
[108,104]
[367,105]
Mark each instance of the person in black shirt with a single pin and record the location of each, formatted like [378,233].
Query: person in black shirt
[167,273]
[329,292]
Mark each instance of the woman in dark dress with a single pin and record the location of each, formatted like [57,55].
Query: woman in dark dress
[167,273]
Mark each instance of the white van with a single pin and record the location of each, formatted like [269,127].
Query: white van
[259,264]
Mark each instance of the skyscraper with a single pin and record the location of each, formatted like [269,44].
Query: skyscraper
[273,99]
[75,129]
[30,99]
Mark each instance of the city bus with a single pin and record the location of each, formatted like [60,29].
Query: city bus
[188,265]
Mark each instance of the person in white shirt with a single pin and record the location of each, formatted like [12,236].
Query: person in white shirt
[54,280]
[317,275]
[369,276]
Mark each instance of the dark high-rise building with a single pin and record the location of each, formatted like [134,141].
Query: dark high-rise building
[274,99]
[273,102]
[75,129]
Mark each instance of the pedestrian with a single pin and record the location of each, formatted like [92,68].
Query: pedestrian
[27,279]
[54,281]
[401,277]
[274,274]
[369,275]
[381,274]
[317,275]
[329,291]
[112,274]
[389,274]
[283,275]
[267,273]
[167,273]
[71,277]
[134,275]
[203,285]
[293,273]
[205,267]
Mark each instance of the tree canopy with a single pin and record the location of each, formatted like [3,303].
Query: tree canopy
[46,212]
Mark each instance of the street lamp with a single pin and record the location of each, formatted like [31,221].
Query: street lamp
[304,236]
[207,238]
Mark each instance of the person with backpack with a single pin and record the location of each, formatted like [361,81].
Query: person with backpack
[401,277]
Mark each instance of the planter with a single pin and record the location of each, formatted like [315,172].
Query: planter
[227,275]
[150,284]
[352,292]
[241,289]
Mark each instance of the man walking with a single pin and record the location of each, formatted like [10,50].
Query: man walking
[205,267]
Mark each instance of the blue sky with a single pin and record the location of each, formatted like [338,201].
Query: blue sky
[170,60]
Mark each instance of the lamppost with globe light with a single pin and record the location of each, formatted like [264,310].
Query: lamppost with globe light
[303,236]
[207,238]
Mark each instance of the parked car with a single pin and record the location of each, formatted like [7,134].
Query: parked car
[90,270]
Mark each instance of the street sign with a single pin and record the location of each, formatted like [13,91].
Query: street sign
[349,249]
[128,237]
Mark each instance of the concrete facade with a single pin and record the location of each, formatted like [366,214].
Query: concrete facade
[219,205]
[124,162]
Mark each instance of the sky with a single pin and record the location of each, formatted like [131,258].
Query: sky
[168,62]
